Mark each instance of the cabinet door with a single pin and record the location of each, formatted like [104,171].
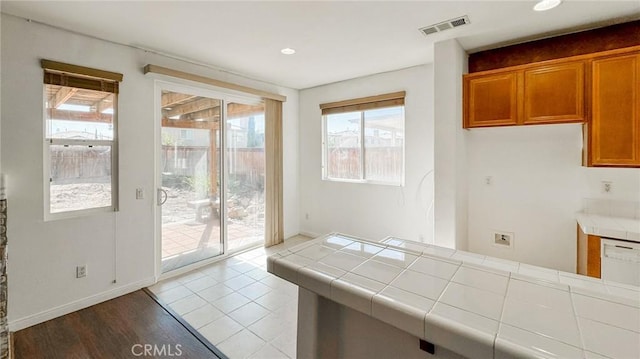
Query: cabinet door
[554,93]
[615,125]
[588,262]
[491,100]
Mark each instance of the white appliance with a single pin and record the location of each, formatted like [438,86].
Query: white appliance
[620,261]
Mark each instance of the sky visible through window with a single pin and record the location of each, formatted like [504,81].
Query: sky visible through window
[91,129]
[371,115]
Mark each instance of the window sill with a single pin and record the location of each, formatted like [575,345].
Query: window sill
[371,182]
[49,217]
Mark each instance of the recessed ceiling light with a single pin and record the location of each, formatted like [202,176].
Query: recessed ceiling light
[545,5]
[288,51]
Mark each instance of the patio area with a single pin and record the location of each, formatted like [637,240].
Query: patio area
[188,236]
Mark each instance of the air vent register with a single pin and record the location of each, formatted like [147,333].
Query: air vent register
[446,25]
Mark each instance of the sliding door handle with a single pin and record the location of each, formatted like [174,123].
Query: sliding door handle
[162,196]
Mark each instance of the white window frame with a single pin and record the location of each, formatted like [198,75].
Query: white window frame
[48,142]
[227,96]
[363,174]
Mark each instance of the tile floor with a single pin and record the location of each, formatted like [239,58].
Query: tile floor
[237,305]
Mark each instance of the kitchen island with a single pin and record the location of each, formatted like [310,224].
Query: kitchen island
[396,298]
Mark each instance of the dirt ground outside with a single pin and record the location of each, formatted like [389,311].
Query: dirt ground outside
[246,208]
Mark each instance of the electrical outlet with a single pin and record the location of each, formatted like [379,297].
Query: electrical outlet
[607,186]
[488,180]
[81,271]
[503,239]
[140,193]
[306,216]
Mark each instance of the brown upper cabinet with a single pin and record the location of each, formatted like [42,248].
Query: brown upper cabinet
[613,134]
[554,93]
[491,100]
[525,95]
[601,90]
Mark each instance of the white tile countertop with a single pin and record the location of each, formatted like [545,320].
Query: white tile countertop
[609,226]
[476,306]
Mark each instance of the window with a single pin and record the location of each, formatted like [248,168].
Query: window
[186,134]
[363,140]
[80,139]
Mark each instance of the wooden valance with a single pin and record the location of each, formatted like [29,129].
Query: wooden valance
[364,103]
[61,74]
[209,81]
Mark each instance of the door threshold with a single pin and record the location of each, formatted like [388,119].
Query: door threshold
[203,263]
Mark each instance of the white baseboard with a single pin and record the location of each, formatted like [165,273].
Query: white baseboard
[310,234]
[52,313]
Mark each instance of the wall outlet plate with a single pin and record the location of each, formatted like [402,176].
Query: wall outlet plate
[81,271]
[503,239]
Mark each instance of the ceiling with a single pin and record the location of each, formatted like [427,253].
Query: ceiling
[334,41]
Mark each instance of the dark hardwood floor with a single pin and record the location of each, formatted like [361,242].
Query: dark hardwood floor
[123,327]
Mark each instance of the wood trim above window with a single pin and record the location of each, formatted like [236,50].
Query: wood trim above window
[155,69]
[61,74]
[364,103]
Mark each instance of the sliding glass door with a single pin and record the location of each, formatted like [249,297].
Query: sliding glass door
[246,174]
[211,174]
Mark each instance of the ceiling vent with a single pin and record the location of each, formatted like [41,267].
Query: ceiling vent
[446,25]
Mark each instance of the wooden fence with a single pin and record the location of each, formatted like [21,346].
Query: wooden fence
[186,161]
[381,163]
[70,164]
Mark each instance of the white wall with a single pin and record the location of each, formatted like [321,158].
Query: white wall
[0,96]
[372,211]
[118,246]
[625,183]
[538,182]
[450,62]
[537,186]
[534,192]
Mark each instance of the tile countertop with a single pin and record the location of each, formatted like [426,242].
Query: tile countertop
[474,305]
[609,226]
